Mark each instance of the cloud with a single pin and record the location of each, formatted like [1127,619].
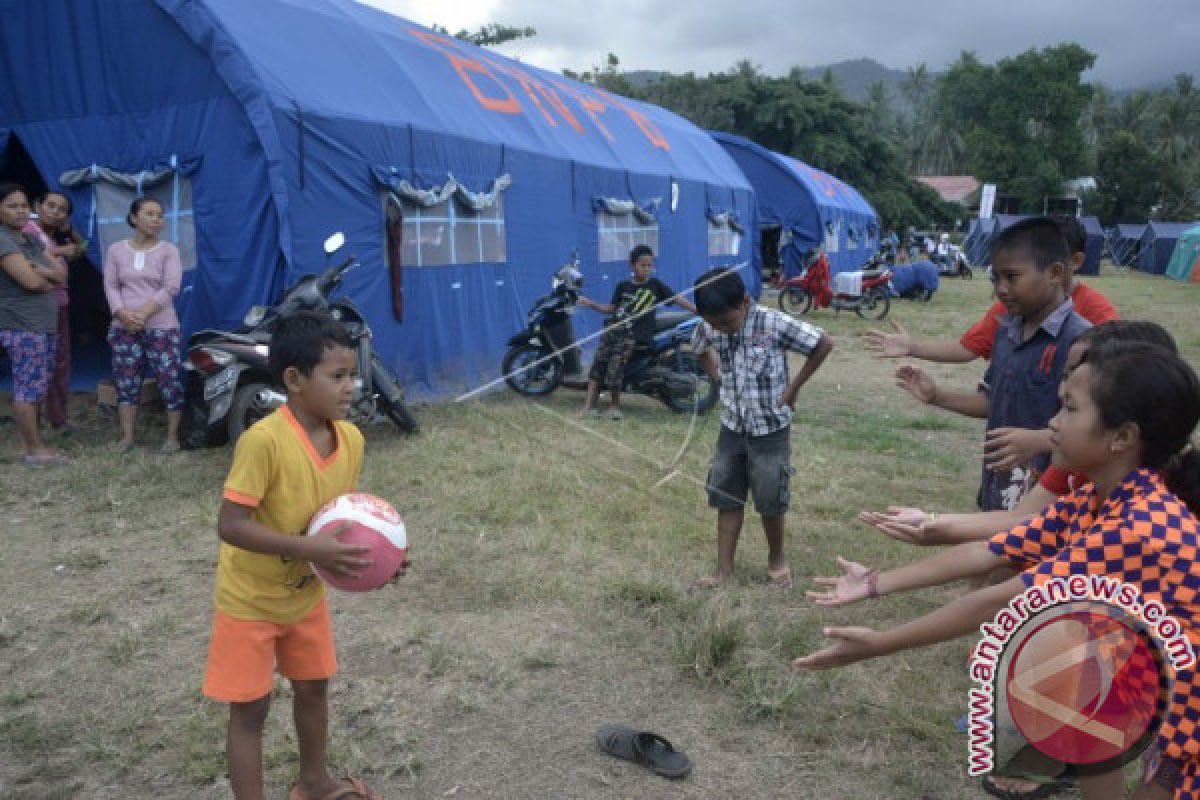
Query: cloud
[1136,43]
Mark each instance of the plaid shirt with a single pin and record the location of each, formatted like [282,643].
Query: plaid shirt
[1144,536]
[754,369]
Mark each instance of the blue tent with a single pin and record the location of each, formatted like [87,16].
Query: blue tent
[1125,245]
[810,206]
[1158,243]
[978,241]
[461,178]
[1094,247]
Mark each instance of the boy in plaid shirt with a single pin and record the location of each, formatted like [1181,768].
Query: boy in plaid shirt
[743,346]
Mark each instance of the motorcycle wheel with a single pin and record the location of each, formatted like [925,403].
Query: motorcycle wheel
[391,398]
[875,304]
[531,381]
[245,410]
[795,301]
[702,399]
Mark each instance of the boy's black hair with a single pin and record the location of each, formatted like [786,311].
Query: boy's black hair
[638,251]
[1073,231]
[301,339]
[1129,330]
[1040,237]
[1155,389]
[719,290]
[11,187]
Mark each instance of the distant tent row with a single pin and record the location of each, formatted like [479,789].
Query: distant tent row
[804,207]
[980,232]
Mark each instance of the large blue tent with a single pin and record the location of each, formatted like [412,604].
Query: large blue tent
[1126,243]
[461,178]
[1094,247]
[810,207]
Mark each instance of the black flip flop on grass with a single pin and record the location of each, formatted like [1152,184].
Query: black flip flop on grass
[642,747]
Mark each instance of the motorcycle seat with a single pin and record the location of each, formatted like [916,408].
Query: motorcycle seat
[665,320]
[869,274]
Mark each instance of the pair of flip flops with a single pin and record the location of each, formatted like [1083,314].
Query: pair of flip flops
[648,749]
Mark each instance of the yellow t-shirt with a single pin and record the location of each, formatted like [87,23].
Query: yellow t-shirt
[277,472]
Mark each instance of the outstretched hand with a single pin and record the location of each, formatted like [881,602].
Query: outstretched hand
[850,645]
[888,345]
[904,524]
[850,587]
[336,557]
[916,382]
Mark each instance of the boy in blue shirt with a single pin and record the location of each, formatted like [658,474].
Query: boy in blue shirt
[1029,355]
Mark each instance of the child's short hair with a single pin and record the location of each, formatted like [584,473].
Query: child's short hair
[638,251]
[719,290]
[1040,237]
[301,339]
[1073,231]
[1129,330]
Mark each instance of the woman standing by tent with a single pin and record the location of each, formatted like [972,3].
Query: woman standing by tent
[62,244]
[142,275]
[28,317]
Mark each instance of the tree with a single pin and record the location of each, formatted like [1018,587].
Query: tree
[1020,119]
[1129,180]
[490,35]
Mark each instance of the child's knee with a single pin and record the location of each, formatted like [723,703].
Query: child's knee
[310,691]
[251,715]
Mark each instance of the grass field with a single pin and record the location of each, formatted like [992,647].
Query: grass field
[546,598]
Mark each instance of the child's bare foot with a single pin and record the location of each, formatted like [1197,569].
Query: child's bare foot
[707,582]
[333,789]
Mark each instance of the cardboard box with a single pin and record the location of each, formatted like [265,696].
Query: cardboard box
[106,394]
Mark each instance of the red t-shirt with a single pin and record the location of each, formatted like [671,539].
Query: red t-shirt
[1089,304]
[1060,481]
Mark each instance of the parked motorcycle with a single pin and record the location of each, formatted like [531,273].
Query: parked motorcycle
[545,355]
[228,385]
[814,288]
[953,264]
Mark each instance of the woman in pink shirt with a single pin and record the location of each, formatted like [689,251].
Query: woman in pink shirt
[141,279]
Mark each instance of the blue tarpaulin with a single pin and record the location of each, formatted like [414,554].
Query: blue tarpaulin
[302,117]
[810,206]
[917,276]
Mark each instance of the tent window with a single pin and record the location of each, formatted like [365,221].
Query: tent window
[621,232]
[112,202]
[852,238]
[448,233]
[723,240]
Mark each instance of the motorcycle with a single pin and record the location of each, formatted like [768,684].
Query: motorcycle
[545,355]
[227,382]
[953,264]
[865,293]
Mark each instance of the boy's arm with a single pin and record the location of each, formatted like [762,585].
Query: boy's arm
[603,308]
[957,618]
[920,385]
[708,360]
[237,527]
[900,345]
[811,363]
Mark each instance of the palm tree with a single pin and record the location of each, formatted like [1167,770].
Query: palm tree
[1133,114]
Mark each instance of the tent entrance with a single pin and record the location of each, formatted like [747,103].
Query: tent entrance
[772,266]
[88,312]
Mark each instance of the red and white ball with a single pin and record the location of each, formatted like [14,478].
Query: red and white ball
[373,523]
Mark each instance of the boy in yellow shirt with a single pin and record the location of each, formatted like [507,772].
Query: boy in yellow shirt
[271,612]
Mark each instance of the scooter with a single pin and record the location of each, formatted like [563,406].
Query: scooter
[545,356]
[227,382]
[953,264]
[868,296]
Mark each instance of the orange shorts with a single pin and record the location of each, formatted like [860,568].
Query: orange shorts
[245,653]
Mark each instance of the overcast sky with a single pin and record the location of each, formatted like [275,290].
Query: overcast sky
[1136,41]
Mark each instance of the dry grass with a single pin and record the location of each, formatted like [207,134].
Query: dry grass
[547,598]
